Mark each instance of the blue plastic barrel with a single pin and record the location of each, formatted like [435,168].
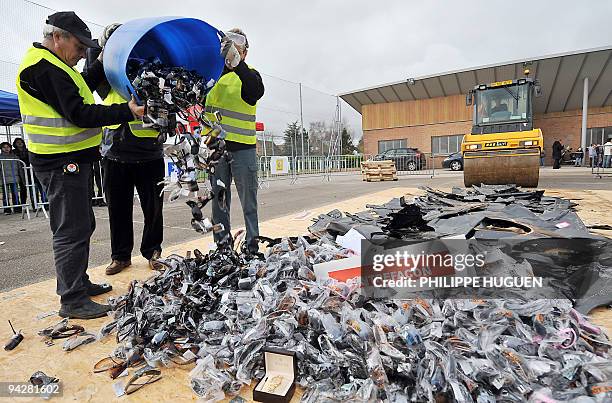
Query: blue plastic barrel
[176,41]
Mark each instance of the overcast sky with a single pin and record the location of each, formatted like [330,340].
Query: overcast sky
[341,45]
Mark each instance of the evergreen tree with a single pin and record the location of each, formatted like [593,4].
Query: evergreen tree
[360,145]
[291,139]
[347,143]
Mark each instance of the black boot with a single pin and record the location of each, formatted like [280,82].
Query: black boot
[84,310]
[97,289]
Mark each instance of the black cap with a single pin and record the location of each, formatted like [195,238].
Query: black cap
[69,21]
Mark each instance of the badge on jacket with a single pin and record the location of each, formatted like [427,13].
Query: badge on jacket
[71,168]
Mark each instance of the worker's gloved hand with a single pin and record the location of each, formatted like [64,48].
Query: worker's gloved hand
[230,53]
[106,33]
[137,110]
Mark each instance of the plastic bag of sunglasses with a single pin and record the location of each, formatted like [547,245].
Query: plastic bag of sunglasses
[107,329]
[245,357]
[61,330]
[142,377]
[285,325]
[207,381]
[375,368]
[78,340]
[39,378]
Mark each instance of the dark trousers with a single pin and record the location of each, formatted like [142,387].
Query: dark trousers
[72,223]
[243,171]
[119,182]
[9,188]
[23,191]
[557,163]
[97,176]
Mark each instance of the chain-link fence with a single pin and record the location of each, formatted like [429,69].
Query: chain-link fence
[299,120]
[21,24]
[315,130]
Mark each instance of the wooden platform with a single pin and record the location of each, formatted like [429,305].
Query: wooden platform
[376,171]
[74,369]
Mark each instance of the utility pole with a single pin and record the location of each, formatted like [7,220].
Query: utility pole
[301,123]
[339,123]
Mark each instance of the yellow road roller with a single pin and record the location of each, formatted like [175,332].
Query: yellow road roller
[503,146]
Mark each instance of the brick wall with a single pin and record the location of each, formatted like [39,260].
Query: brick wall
[565,126]
[417,136]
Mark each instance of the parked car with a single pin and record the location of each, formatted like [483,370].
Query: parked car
[454,162]
[406,159]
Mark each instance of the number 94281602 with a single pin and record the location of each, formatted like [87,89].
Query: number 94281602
[26,389]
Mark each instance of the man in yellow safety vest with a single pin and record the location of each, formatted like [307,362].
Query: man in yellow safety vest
[63,126]
[235,96]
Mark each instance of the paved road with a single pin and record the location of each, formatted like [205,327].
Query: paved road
[26,255]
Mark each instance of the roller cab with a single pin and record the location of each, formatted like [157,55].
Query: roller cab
[503,146]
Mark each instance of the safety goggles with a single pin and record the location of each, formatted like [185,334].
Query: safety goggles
[238,39]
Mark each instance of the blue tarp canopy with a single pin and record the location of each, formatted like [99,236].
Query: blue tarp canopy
[9,109]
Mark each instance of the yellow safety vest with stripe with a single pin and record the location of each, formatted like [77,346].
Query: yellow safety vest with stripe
[49,132]
[113,97]
[238,117]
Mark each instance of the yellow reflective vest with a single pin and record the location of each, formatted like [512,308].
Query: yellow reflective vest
[49,132]
[238,117]
[113,97]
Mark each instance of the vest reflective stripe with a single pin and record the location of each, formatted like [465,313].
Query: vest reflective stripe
[136,128]
[238,117]
[231,114]
[47,122]
[48,131]
[243,132]
[62,140]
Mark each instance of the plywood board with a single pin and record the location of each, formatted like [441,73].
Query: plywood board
[23,305]
[74,369]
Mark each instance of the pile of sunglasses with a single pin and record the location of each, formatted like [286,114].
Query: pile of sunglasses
[175,106]
[218,310]
[167,92]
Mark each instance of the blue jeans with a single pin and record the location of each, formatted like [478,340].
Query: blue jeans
[578,161]
[243,170]
[607,160]
[12,189]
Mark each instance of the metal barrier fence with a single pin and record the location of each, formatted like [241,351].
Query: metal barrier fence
[17,185]
[601,164]
[292,168]
[601,171]
[23,193]
[414,164]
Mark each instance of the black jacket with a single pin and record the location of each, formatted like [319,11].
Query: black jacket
[53,86]
[120,144]
[557,148]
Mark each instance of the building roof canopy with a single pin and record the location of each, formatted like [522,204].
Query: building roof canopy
[561,78]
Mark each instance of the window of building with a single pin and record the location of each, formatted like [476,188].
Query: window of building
[446,144]
[599,135]
[384,145]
